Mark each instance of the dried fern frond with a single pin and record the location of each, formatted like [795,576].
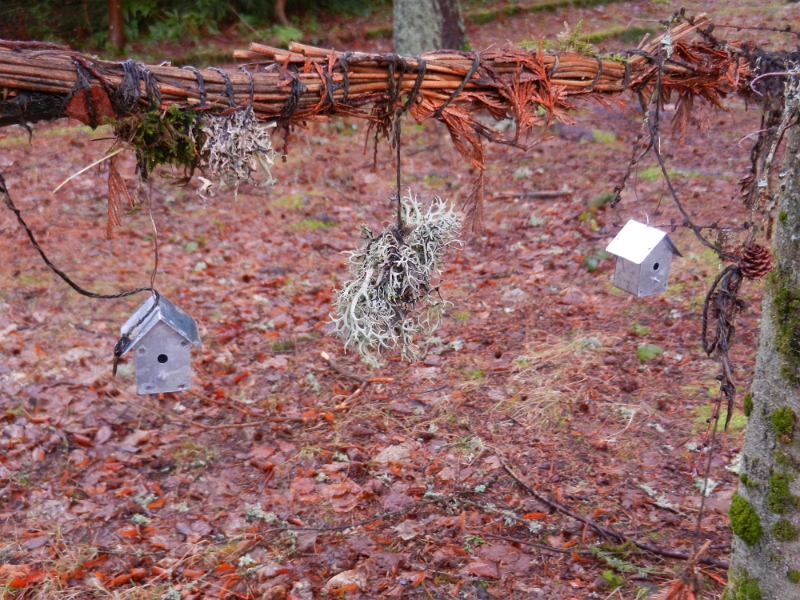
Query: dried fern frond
[393,275]
[235,146]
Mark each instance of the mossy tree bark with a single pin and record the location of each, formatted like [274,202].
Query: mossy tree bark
[765,512]
[425,25]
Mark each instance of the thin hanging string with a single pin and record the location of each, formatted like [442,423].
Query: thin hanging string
[122,343]
[399,112]
[82,291]
[400,223]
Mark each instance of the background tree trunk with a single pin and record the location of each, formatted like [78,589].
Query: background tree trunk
[280,13]
[764,512]
[425,25]
[116,25]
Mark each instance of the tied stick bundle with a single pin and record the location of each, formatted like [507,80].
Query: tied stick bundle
[289,87]
[303,82]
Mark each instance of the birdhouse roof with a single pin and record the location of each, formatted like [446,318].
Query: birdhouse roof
[636,241]
[166,312]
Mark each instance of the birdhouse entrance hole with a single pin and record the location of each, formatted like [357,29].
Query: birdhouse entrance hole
[162,358]
[655,267]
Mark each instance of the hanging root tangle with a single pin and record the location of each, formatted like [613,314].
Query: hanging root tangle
[393,274]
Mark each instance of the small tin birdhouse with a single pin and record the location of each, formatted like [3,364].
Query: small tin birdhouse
[644,257]
[161,340]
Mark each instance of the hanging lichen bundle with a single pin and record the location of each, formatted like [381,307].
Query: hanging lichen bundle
[235,146]
[393,274]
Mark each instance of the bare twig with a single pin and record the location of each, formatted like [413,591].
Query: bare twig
[606,531]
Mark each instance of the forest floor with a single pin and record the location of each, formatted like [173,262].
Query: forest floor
[270,479]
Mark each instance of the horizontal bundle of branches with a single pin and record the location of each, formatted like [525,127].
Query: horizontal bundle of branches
[532,87]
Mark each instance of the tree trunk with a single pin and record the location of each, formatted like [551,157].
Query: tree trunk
[280,13]
[765,511]
[116,25]
[425,25]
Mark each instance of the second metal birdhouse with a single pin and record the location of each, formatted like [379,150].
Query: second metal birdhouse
[644,257]
[161,338]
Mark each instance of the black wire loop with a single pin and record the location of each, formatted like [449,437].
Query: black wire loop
[599,73]
[201,84]
[252,85]
[422,68]
[345,75]
[150,86]
[83,81]
[228,86]
[554,70]
[293,101]
[83,292]
[461,87]
[126,97]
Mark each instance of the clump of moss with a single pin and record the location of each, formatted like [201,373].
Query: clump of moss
[174,139]
[784,531]
[794,576]
[747,481]
[742,587]
[614,580]
[786,314]
[745,522]
[747,404]
[783,422]
[779,498]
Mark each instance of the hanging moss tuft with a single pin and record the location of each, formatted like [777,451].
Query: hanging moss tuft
[745,522]
[175,139]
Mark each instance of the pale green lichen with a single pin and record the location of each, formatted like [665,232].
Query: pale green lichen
[745,522]
[394,276]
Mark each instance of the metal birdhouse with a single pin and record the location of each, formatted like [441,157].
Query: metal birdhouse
[161,338]
[644,257]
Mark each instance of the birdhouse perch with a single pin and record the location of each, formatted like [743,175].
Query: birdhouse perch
[644,257]
[161,345]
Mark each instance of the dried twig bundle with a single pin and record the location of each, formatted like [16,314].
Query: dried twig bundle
[293,86]
[393,275]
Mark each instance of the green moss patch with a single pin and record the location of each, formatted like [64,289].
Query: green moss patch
[747,481]
[794,576]
[174,139]
[784,531]
[779,498]
[747,404]
[742,587]
[745,522]
[783,422]
[786,314]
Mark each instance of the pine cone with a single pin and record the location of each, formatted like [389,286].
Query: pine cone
[756,261]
